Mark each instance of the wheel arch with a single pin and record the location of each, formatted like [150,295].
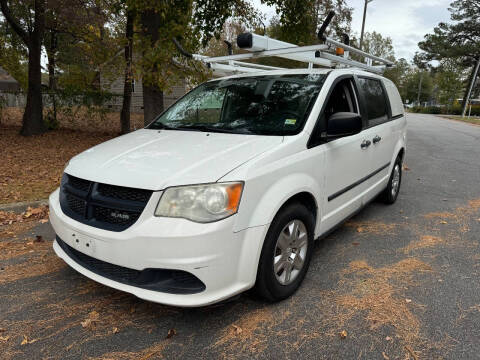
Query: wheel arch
[305,198]
[261,207]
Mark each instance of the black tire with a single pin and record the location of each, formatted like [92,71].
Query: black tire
[389,195]
[268,286]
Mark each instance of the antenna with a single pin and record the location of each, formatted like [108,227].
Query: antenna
[326,22]
[229,47]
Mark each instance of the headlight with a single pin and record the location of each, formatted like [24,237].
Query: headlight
[201,203]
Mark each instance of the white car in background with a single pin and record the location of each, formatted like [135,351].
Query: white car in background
[229,187]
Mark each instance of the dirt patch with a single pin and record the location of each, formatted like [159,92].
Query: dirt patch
[248,334]
[12,224]
[41,261]
[372,227]
[377,293]
[426,241]
[153,352]
[460,217]
[78,118]
[474,204]
[31,167]
[441,215]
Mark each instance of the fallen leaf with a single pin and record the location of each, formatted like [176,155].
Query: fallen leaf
[406,168]
[355,243]
[25,340]
[408,301]
[343,334]
[91,321]
[410,350]
[360,229]
[388,338]
[4,338]
[43,221]
[36,211]
[171,332]
[385,356]
[38,239]
[2,330]
[115,330]
[238,329]
[443,222]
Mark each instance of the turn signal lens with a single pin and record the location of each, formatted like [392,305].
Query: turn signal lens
[234,194]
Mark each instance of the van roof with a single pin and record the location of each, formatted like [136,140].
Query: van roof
[302,71]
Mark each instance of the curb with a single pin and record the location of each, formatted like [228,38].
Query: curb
[22,206]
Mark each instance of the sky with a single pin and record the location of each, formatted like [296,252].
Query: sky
[405,21]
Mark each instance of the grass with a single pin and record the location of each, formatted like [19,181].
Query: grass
[472,120]
[31,167]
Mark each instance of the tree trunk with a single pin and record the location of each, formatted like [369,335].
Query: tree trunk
[470,86]
[127,85]
[33,115]
[52,81]
[152,103]
[152,94]
[420,88]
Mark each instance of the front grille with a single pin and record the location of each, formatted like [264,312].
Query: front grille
[164,280]
[75,204]
[114,216]
[123,193]
[108,207]
[79,184]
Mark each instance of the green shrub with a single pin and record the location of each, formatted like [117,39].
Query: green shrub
[445,110]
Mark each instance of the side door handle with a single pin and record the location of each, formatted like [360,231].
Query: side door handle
[365,144]
[376,139]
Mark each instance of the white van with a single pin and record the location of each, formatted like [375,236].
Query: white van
[229,187]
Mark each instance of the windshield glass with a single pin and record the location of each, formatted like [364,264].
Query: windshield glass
[263,105]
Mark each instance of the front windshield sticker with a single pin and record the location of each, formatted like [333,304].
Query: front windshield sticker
[290,121]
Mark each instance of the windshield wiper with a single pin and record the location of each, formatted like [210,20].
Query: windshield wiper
[161,126]
[206,128]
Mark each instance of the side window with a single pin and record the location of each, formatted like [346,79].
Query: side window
[376,101]
[342,99]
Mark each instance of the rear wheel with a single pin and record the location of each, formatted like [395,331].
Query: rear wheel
[286,253]
[390,194]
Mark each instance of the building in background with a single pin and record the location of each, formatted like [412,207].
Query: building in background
[9,89]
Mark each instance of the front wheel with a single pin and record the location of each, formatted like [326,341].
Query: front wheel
[286,253]
[390,194]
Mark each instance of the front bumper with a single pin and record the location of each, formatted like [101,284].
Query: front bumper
[223,260]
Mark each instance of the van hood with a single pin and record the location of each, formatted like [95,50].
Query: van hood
[154,160]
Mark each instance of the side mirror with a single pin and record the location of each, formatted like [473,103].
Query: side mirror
[342,124]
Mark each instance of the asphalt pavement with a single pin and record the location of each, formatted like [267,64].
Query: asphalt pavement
[395,282]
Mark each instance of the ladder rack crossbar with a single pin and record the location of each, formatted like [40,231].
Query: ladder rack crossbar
[266,53]
[358,52]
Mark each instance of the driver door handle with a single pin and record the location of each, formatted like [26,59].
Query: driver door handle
[376,139]
[365,144]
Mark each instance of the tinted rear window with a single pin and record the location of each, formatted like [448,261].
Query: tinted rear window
[376,101]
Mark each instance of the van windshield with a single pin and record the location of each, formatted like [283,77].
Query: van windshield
[260,105]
